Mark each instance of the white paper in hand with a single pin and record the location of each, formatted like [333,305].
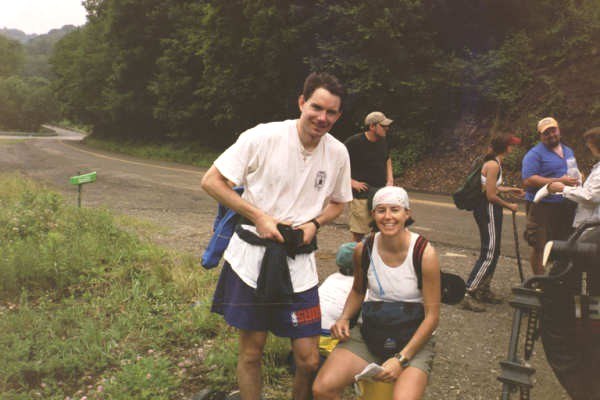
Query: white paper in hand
[369,372]
[543,192]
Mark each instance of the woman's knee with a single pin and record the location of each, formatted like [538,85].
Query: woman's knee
[323,389]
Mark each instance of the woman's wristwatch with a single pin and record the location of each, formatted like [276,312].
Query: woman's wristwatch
[402,359]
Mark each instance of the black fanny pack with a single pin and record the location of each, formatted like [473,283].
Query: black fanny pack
[388,326]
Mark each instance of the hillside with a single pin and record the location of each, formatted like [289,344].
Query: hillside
[16,34]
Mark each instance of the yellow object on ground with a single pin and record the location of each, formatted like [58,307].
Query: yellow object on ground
[373,390]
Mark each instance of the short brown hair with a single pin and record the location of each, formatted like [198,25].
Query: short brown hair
[322,80]
[593,136]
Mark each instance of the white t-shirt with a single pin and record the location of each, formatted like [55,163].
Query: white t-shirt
[333,293]
[288,183]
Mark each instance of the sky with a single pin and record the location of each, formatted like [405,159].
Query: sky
[40,16]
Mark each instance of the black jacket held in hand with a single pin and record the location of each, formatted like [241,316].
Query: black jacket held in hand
[274,283]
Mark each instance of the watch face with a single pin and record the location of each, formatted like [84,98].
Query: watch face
[403,360]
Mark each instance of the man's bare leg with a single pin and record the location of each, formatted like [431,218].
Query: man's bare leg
[249,377]
[306,356]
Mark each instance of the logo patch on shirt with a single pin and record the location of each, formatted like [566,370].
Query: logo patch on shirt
[320,179]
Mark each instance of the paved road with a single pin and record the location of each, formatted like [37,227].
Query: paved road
[436,215]
[61,134]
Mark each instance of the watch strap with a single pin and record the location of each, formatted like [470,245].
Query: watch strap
[317,224]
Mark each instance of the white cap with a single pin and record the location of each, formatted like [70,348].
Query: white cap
[393,195]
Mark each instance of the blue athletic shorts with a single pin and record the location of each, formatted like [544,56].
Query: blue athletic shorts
[236,301]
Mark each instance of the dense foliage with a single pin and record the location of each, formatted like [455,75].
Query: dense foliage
[26,96]
[205,70]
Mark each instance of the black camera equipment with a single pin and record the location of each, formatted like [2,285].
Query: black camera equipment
[563,308]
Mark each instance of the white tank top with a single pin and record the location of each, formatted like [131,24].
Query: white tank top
[498,182]
[393,283]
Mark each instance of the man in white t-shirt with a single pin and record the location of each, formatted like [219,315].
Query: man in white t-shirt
[293,173]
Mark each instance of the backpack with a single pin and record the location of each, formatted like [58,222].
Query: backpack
[469,195]
[223,228]
[453,287]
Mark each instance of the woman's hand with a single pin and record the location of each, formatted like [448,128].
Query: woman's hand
[556,187]
[391,371]
[514,207]
[517,192]
[341,330]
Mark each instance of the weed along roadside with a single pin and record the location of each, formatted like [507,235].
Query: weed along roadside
[89,309]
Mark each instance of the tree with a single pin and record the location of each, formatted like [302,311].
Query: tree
[11,57]
[25,103]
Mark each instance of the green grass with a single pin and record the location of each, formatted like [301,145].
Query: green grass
[90,309]
[185,153]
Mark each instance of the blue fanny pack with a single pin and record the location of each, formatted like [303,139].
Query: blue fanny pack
[223,228]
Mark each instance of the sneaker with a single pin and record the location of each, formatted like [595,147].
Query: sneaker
[487,296]
[472,304]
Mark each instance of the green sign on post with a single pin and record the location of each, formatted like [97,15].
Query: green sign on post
[80,180]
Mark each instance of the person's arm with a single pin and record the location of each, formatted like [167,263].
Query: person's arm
[390,172]
[330,212]
[531,178]
[588,194]
[216,185]
[359,186]
[341,329]
[537,181]
[492,169]
[431,302]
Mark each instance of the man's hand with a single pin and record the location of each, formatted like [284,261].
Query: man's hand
[266,226]
[568,181]
[556,187]
[514,207]
[358,185]
[391,371]
[309,231]
[341,330]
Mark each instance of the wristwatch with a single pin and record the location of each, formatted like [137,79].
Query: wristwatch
[401,359]
[316,223]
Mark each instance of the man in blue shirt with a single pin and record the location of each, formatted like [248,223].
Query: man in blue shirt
[551,219]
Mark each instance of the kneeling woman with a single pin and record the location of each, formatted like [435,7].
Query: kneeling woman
[391,278]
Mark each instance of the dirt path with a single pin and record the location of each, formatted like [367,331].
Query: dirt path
[469,345]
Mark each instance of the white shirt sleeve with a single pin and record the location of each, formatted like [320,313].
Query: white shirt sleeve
[234,162]
[589,193]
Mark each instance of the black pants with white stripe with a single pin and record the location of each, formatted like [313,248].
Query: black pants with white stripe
[489,220]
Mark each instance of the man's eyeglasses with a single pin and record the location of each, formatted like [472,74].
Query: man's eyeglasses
[549,131]
[384,126]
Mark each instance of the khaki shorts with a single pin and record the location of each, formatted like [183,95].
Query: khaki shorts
[360,217]
[423,360]
[548,221]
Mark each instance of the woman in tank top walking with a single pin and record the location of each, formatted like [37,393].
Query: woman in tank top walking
[488,216]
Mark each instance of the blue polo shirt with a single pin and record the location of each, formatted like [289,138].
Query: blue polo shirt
[544,162]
